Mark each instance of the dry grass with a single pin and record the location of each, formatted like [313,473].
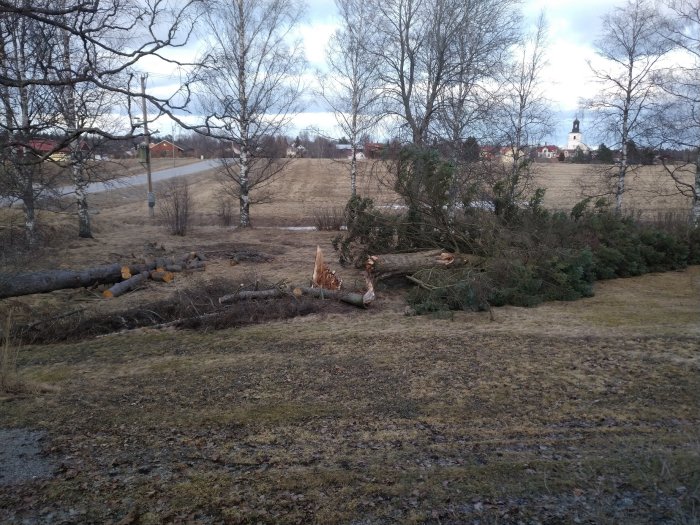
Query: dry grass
[9,379]
[583,411]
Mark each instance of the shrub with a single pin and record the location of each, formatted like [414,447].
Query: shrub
[693,237]
[224,211]
[662,251]
[176,207]
[440,289]
[329,219]
[369,231]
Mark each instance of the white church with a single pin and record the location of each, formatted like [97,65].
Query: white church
[575,141]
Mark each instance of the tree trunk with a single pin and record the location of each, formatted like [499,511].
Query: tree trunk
[30,229]
[13,285]
[50,280]
[695,211]
[84,229]
[396,264]
[126,286]
[354,299]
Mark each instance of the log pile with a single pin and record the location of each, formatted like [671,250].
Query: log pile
[160,269]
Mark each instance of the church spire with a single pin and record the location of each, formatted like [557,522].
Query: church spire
[575,129]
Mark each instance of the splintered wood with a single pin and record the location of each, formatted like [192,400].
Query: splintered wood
[323,276]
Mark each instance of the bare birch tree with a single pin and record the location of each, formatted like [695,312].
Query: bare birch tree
[631,48]
[351,87]
[40,40]
[24,47]
[81,106]
[415,45]
[482,46]
[682,30]
[252,88]
[523,116]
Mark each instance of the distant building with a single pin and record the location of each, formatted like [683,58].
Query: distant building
[56,153]
[165,148]
[575,141]
[547,152]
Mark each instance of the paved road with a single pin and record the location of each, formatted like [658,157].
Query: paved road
[136,180]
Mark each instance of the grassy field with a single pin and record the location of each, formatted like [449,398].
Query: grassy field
[579,412]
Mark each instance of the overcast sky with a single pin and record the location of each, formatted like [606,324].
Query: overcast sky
[573,27]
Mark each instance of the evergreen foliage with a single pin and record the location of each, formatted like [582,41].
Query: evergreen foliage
[533,255]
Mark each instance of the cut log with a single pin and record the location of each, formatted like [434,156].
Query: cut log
[14,285]
[126,286]
[396,264]
[133,269]
[245,295]
[162,276]
[355,299]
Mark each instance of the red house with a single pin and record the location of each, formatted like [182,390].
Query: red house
[165,148]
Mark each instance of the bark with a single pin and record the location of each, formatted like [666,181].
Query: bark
[245,295]
[84,229]
[398,264]
[13,285]
[695,211]
[162,276]
[133,269]
[355,299]
[30,228]
[126,286]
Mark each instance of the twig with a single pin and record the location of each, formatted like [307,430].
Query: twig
[55,318]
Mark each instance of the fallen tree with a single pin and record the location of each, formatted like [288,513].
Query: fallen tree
[355,299]
[14,285]
[403,264]
[50,280]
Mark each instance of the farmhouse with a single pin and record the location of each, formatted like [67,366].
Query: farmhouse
[165,148]
[547,152]
[56,153]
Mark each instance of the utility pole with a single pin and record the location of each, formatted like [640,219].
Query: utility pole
[147,149]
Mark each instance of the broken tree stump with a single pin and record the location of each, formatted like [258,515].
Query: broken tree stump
[323,276]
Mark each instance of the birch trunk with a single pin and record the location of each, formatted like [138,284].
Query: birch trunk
[695,211]
[76,162]
[30,229]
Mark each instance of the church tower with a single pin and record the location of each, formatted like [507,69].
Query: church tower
[576,137]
